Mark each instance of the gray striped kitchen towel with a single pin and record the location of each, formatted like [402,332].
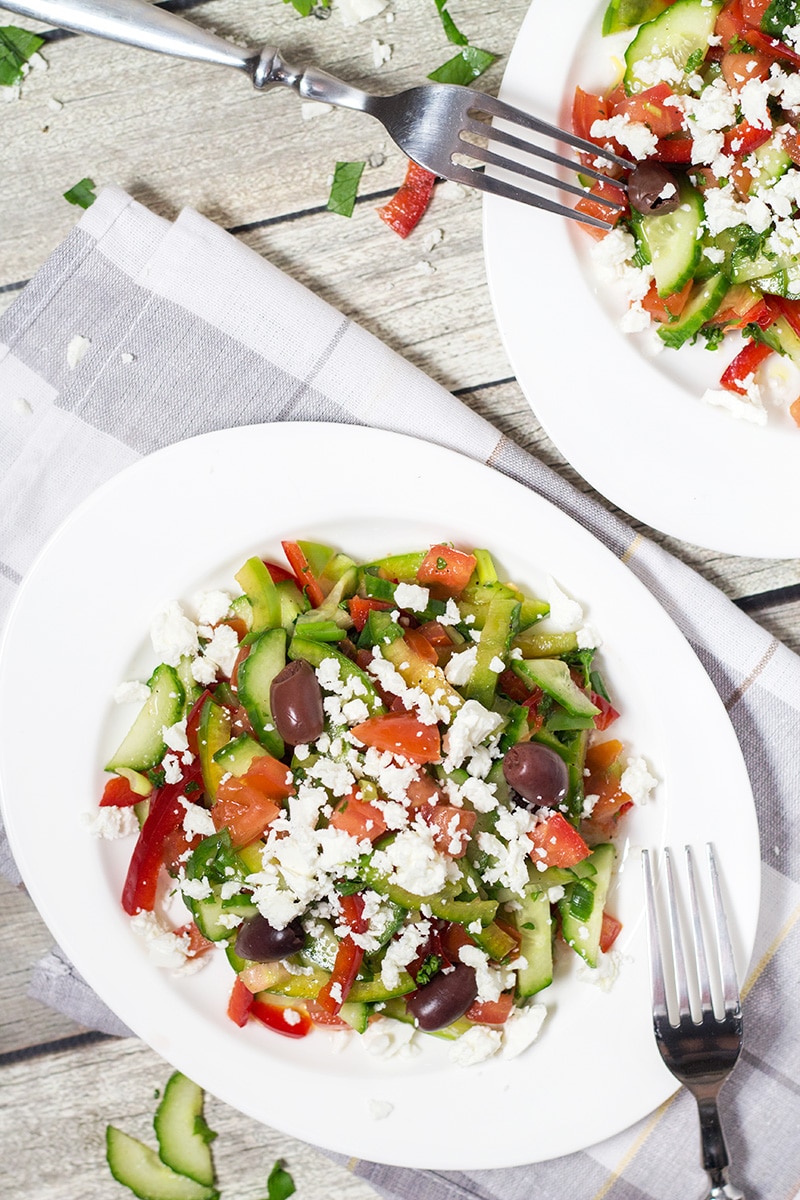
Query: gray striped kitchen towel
[111,352]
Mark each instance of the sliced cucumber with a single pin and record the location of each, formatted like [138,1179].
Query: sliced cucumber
[209,914]
[356,1014]
[625,14]
[672,241]
[583,903]
[500,626]
[143,745]
[256,673]
[702,305]
[139,1168]
[787,339]
[183,1142]
[772,162]
[256,582]
[553,677]
[680,31]
[785,283]
[237,756]
[535,925]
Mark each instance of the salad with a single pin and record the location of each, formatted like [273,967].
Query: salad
[707,105]
[383,788]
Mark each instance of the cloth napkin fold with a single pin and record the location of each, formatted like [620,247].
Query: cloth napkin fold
[137,333]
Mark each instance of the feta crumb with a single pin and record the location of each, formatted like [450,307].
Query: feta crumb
[76,350]
[167,949]
[131,692]
[353,12]
[522,1029]
[381,52]
[741,407]
[111,822]
[474,1046]
[633,135]
[172,633]
[389,1039]
[565,613]
[461,665]
[379,1110]
[637,782]
[212,607]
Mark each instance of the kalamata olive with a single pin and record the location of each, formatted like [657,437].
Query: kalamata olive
[295,698]
[446,998]
[652,189]
[259,941]
[537,773]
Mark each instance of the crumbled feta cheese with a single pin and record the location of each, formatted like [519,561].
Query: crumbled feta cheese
[522,1029]
[635,319]
[353,12]
[197,820]
[203,671]
[724,211]
[310,109]
[175,736]
[167,949]
[565,613]
[633,135]
[461,665]
[223,649]
[474,1046]
[381,52]
[379,1110]
[413,862]
[172,633]
[489,980]
[738,406]
[389,1039]
[753,96]
[401,951]
[76,350]
[212,607]
[412,597]
[471,725]
[636,781]
[496,665]
[111,822]
[131,692]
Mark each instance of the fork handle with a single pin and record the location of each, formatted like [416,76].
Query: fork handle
[715,1152]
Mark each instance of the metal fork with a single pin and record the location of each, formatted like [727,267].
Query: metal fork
[431,124]
[700,1051]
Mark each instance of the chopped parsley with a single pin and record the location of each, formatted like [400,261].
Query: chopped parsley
[780,16]
[714,336]
[82,193]
[280,1184]
[344,188]
[454,34]
[191,786]
[429,968]
[17,46]
[767,337]
[320,8]
[157,776]
[464,67]
[694,62]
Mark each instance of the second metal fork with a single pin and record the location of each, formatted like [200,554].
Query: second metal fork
[699,1049]
[434,125]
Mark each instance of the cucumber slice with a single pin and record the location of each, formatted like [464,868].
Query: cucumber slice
[787,339]
[180,1127]
[535,925]
[780,283]
[500,626]
[208,914]
[678,32]
[581,929]
[673,243]
[256,582]
[237,756]
[356,1014]
[139,1168]
[315,652]
[704,302]
[144,746]
[625,14]
[553,677]
[256,673]
[771,163]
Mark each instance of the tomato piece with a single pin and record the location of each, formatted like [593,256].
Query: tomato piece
[359,818]
[446,568]
[556,843]
[677,149]
[586,109]
[772,47]
[790,309]
[794,411]
[609,932]
[753,11]
[270,776]
[277,1017]
[198,944]
[651,108]
[423,790]
[737,67]
[360,608]
[744,365]
[451,827]
[240,1003]
[277,573]
[436,634]
[166,814]
[604,771]
[306,581]
[607,715]
[744,138]
[452,938]
[118,793]
[421,646]
[591,205]
[409,202]
[402,734]
[666,308]
[491,1012]
[243,810]
[742,307]
[320,1016]
[177,846]
[349,957]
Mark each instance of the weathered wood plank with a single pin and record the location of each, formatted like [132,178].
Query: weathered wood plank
[54,1113]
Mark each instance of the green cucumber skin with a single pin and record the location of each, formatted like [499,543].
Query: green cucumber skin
[139,1168]
[588,947]
[256,673]
[552,676]
[143,746]
[625,14]
[701,308]
[536,946]
[672,243]
[677,33]
[179,1147]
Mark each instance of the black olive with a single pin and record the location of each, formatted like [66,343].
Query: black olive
[295,698]
[537,773]
[258,941]
[653,190]
[446,998]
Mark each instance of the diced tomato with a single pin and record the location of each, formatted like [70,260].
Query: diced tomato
[604,767]
[510,684]
[240,657]
[591,205]
[177,846]
[772,47]
[423,790]
[447,568]
[676,149]
[738,67]
[609,931]
[118,793]
[651,108]
[348,959]
[277,573]
[666,308]
[491,1012]
[409,202]
[198,944]
[360,608]
[753,11]
[743,366]
[306,581]
[359,818]
[321,1016]
[790,140]
[284,1019]
[731,25]
[244,810]
[586,109]
[451,827]
[607,715]
[420,644]
[556,843]
[452,938]
[270,776]
[436,634]
[240,1003]
[744,138]
[402,734]
[794,411]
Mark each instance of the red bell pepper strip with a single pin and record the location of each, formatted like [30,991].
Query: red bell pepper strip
[348,959]
[118,793]
[744,365]
[408,204]
[609,932]
[607,715]
[240,1003]
[305,580]
[276,1017]
[166,815]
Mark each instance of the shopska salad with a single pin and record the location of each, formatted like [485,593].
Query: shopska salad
[383,788]
[708,101]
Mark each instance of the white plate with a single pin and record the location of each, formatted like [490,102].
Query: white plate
[184,519]
[632,424]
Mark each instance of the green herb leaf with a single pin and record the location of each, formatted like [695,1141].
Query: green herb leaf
[16,47]
[465,67]
[344,188]
[191,786]
[280,1184]
[780,16]
[202,1130]
[582,659]
[82,193]
[157,776]
[714,336]
[307,7]
[428,969]
[767,337]
[694,62]
[454,34]
[349,887]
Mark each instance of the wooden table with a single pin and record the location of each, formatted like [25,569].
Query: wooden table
[176,134]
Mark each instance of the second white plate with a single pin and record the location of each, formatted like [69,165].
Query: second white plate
[633,425]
